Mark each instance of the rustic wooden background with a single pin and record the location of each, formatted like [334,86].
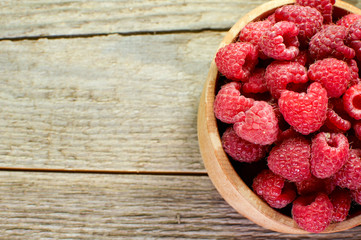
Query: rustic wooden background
[98,104]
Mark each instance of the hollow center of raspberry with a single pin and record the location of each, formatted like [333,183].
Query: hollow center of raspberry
[332,143]
[356,102]
[297,87]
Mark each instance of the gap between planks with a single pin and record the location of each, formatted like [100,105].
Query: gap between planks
[105,171]
[133,33]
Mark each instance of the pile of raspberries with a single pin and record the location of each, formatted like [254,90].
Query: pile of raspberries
[291,94]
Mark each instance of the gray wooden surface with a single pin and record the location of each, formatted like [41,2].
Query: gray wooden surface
[98,121]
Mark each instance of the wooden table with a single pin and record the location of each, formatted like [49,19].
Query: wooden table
[98,103]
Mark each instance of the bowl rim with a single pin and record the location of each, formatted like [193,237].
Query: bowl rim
[219,168]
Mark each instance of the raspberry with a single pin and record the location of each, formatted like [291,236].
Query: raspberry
[314,185]
[307,19]
[348,20]
[329,152]
[313,213]
[283,135]
[341,201]
[256,82]
[257,125]
[324,6]
[273,189]
[240,149]
[329,42]
[272,18]
[352,101]
[349,176]
[302,58]
[354,37]
[333,74]
[357,129]
[229,102]
[253,32]
[356,195]
[305,112]
[236,60]
[335,122]
[280,73]
[291,159]
[280,41]
[352,64]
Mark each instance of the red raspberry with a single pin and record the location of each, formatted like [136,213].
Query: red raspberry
[256,82]
[273,189]
[352,64]
[357,129]
[229,102]
[354,37]
[336,123]
[324,6]
[356,195]
[272,18]
[329,42]
[307,19]
[349,176]
[280,73]
[240,149]
[253,32]
[352,101]
[313,213]
[237,60]
[291,159]
[348,20]
[329,152]
[257,125]
[280,41]
[314,185]
[341,201]
[333,74]
[305,112]
[288,133]
[302,58]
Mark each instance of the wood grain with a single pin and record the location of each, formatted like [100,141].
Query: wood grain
[76,17]
[101,206]
[112,102]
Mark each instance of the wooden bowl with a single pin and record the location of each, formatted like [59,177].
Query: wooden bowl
[220,170]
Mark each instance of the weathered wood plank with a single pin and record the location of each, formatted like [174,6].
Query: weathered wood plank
[120,103]
[91,206]
[36,18]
